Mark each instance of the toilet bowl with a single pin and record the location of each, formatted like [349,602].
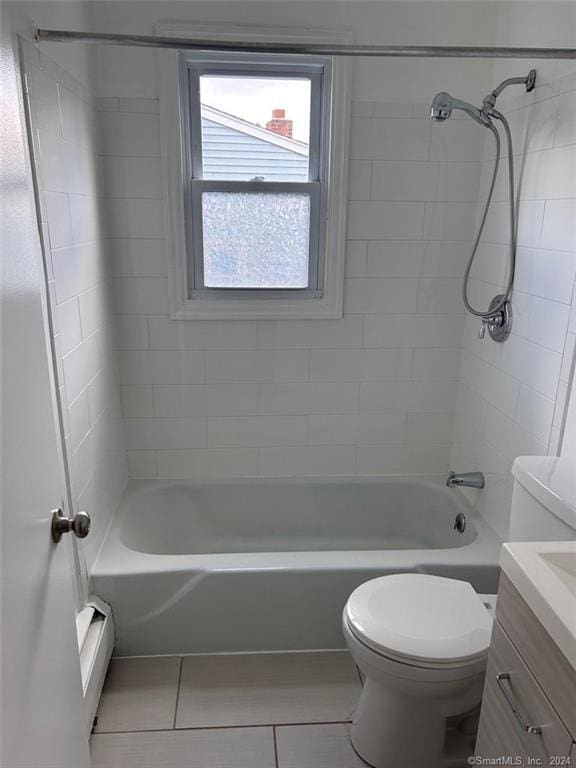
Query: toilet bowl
[422,643]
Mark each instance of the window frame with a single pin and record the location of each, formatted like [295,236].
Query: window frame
[189,299]
[194,66]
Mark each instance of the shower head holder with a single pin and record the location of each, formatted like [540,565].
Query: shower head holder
[489,101]
[531,81]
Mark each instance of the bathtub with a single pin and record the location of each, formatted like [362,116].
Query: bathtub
[267,564]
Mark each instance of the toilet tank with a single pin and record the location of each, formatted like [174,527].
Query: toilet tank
[543,499]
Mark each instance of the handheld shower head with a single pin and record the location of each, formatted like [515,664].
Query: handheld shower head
[441,107]
[443,104]
[497,316]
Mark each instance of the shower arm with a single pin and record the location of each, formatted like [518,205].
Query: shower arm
[489,101]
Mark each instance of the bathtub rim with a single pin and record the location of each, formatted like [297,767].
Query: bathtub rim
[117,559]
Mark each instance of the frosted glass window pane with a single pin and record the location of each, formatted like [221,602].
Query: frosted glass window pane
[255,240]
[255,128]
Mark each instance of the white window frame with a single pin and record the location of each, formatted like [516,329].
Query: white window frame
[317,70]
[188,298]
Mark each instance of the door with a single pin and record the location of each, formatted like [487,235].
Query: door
[41,708]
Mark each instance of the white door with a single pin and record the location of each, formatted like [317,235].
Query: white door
[41,709]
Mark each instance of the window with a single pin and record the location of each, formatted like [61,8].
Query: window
[255,191]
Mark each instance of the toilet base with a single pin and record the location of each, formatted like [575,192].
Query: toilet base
[391,730]
[458,751]
[401,720]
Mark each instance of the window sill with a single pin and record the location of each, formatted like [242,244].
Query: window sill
[325,308]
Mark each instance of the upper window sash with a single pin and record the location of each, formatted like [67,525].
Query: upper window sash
[314,70]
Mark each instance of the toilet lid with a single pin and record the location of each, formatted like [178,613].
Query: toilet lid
[421,618]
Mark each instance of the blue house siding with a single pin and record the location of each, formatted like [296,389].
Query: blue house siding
[237,156]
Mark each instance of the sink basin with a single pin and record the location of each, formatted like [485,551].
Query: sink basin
[544,573]
[563,564]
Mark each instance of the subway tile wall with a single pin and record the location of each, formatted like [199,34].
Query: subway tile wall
[400,384]
[511,397]
[64,128]
[372,393]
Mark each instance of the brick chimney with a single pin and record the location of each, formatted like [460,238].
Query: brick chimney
[279,123]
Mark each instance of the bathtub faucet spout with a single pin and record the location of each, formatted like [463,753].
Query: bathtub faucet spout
[467,479]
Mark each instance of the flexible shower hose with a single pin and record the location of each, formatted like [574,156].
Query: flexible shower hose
[512,257]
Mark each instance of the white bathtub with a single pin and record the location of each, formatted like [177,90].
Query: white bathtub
[267,564]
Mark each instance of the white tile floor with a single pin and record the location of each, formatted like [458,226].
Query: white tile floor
[287,710]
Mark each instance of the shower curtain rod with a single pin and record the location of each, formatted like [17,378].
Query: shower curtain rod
[310,49]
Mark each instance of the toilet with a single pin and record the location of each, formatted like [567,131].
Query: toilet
[422,641]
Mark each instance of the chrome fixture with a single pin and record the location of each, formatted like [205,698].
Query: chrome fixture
[460,522]
[509,697]
[79,525]
[499,324]
[443,105]
[529,81]
[498,317]
[306,48]
[466,480]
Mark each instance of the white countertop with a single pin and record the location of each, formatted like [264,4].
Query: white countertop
[544,573]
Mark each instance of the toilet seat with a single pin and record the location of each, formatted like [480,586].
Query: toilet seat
[421,620]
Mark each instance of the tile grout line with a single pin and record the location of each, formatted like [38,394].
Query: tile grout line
[275,741]
[178,692]
[229,727]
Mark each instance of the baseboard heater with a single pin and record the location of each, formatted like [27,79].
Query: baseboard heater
[95,630]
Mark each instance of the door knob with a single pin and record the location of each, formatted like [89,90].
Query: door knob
[79,525]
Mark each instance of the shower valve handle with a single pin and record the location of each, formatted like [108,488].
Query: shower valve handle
[490,321]
[499,322]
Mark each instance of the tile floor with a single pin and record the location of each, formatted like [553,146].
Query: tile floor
[286,710]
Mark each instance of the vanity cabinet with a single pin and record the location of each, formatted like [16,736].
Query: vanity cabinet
[529,706]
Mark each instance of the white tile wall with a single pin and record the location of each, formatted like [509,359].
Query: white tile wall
[381,380]
[161,367]
[390,138]
[209,462]
[511,397]
[413,459]
[224,431]
[372,392]
[157,434]
[202,400]
[236,366]
[76,250]
[388,428]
